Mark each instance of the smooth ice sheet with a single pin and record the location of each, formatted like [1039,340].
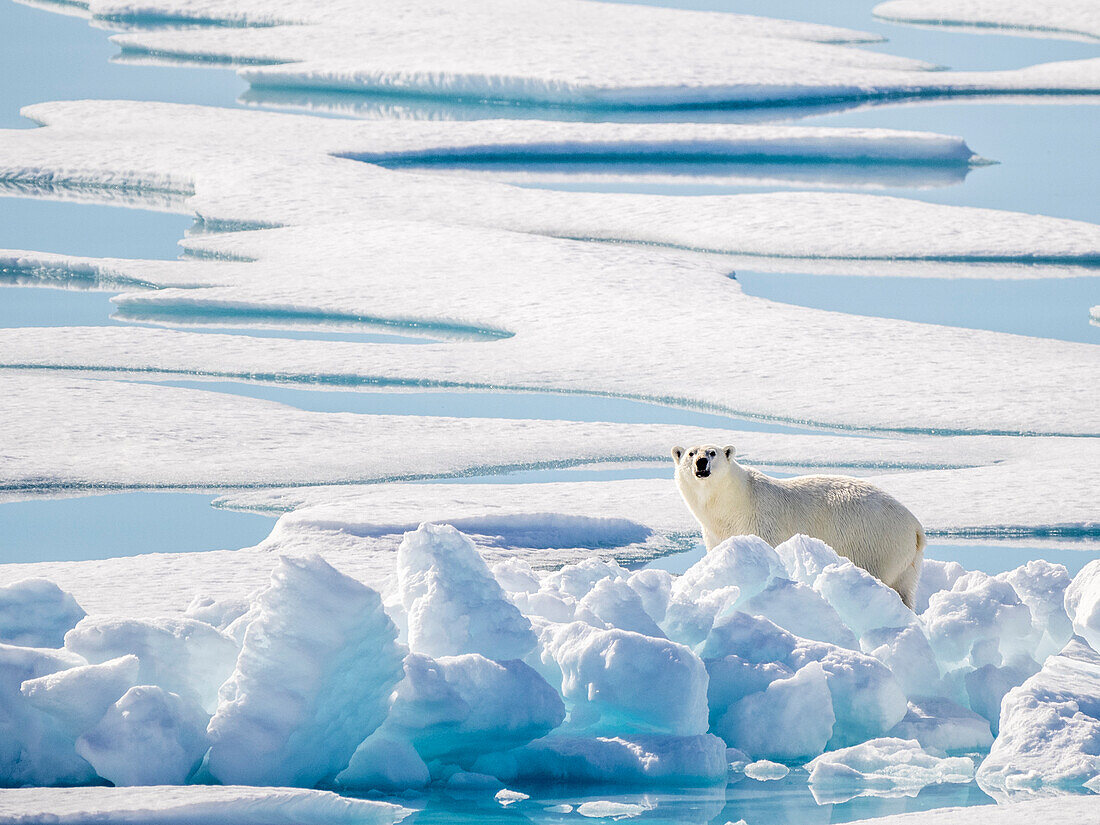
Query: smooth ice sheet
[562,52]
[191,805]
[1039,18]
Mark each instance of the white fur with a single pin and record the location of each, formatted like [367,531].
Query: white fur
[857,519]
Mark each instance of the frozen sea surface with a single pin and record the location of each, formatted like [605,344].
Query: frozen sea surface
[343,519]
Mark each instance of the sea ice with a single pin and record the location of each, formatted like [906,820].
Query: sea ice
[1042,587]
[941,726]
[763,770]
[454,604]
[1082,603]
[935,576]
[614,603]
[183,656]
[383,762]
[601,671]
[78,697]
[198,805]
[624,760]
[1049,737]
[312,681]
[37,613]
[979,621]
[604,809]
[507,797]
[562,52]
[34,747]
[885,767]
[148,737]
[745,656]
[455,709]
[1040,18]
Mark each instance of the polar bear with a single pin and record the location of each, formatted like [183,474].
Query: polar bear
[857,519]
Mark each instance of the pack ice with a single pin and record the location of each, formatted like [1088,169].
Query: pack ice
[780,656]
[559,52]
[1040,18]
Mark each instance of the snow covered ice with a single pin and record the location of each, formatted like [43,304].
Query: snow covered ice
[1041,18]
[37,613]
[521,698]
[883,766]
[392,637]
[312,680]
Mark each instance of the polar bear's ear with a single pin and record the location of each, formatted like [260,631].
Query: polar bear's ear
[729,452]
[676,453]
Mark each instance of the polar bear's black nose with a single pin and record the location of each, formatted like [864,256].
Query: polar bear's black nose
[702,467]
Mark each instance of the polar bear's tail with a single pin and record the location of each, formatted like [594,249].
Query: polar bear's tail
[907,583]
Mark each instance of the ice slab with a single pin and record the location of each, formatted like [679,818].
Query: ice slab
[545,142]
[37,613]
[1082,603]
[1042,18]
[941,726]
[1062,810]
[452,710]
[184,656]
[1049,741]
[148,737]
[453,603]
[563,53]
[763,770]
[313,679]
[642,760]
[600,674]
[571,712]
[883,767]
[400,265]
[195,804]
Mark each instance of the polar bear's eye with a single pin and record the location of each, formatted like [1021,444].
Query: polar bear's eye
[691,453]
[711,453]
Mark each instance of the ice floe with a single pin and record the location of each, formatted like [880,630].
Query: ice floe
[36,613]
[515,693]
[883,767]
[1049,738]
[1043,18]
[562,53]
[415,281]
[197,804]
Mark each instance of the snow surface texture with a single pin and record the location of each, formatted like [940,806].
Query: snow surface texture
[1050,729]
[399,267]
[191,805]
[1042,18]
[512,677]
[561,52]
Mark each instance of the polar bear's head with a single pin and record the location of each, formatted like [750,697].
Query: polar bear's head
[702,464]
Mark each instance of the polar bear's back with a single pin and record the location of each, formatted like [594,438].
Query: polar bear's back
[855,518]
